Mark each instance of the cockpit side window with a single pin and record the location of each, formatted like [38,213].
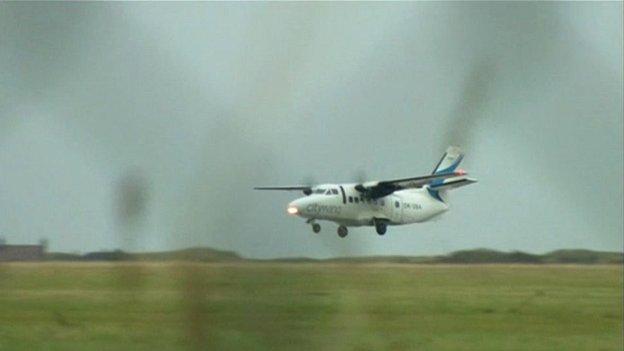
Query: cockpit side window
[334,191]
[319,191]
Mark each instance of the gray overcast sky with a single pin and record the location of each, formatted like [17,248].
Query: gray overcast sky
[195,103]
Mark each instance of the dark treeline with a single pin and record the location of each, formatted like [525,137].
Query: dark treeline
[476,256]
[191,254]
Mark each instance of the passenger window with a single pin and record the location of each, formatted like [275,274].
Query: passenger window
[396,204]
[350,198]
[357,200]
[382,202]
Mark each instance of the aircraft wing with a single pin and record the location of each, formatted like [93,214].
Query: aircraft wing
[307,190]
[378,189]
[286,188]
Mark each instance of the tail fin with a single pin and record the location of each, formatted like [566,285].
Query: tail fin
[449,162]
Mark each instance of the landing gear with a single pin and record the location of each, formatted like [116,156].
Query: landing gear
[316,228]
[342,231]
[381,227]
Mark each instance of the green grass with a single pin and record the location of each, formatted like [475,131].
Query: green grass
[268,306]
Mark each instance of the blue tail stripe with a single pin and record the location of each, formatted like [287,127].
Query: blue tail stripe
[435,194]
[452,167]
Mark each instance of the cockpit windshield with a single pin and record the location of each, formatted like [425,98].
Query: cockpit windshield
[326,191]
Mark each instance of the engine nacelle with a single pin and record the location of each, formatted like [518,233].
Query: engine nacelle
[366,186]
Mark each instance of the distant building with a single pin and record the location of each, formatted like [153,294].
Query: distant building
[21,252]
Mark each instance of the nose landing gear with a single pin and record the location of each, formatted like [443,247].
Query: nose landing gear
[342,231]
[316,228]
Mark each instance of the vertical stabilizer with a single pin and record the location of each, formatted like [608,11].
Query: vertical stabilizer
[449,161]
[447,164]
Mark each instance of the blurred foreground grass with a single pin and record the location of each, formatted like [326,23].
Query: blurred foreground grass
[268,306]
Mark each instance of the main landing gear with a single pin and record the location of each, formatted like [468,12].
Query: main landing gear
[342,231]
[380,227]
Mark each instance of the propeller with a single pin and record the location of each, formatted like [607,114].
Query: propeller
[361,179]
[360,176]
[310,182]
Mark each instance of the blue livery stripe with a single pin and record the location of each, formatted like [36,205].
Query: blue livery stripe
[452,167]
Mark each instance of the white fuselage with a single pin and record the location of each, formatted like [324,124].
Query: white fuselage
[343,204]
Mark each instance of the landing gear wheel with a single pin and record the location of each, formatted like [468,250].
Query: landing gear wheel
[316,228]
[381,227]
[342,231]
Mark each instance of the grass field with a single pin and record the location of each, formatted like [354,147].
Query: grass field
[243,306]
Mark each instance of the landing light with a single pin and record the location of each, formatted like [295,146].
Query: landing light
[292,210]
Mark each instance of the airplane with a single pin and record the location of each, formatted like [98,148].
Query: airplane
[380,203]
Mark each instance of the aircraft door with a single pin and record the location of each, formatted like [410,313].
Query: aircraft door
[397,209]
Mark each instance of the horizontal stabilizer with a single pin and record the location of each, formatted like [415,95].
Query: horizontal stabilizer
[452,183]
